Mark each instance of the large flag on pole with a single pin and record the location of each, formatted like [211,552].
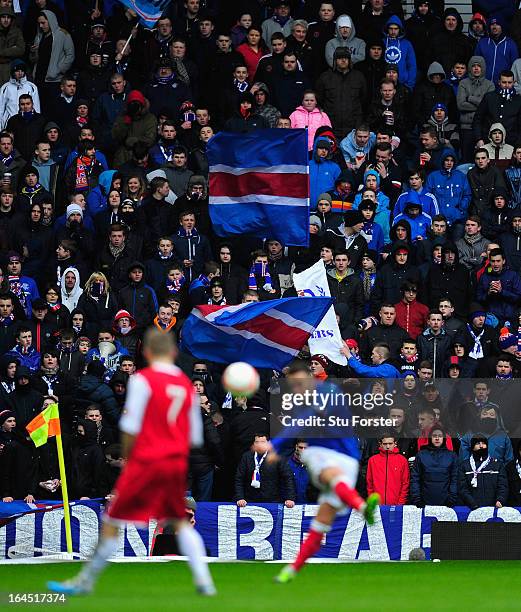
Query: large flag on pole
[148,11]
[265,334]
[326,338]
[259,184]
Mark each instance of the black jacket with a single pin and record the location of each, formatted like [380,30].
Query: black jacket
[342,96]
[434,477]
[347,291]
[493,108]
[449,47]
[205,458]
[277,483]
[492,485]
[393,335]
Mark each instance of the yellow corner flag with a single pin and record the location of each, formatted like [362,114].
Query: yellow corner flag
[44,426]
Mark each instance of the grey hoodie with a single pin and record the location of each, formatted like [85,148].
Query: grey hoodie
[355,45]
[62,54]
[471,91]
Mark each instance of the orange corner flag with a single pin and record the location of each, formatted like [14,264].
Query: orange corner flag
[45,425]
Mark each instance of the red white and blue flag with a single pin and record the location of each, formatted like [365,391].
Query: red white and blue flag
[264,334]
[259,185]
[148,11]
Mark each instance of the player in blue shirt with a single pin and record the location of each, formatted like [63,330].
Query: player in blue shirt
[332,463]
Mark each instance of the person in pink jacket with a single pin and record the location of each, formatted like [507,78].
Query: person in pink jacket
[309,116]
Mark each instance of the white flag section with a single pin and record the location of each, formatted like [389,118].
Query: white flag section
[326,339]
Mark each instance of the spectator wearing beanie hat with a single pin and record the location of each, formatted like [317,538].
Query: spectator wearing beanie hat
[135,124]
[446,130]
[499,51]
[328,219]
[323,172]
[477,27]
[31,191]
[348,237]
[509,346]
[319,366]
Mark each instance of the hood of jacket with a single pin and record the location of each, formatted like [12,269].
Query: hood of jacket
[198,179]
[480,60]
[500,127]
[53,21]
[499,191]
[413,199]
[452,12]
[401,223]
[435,68]
[372,173]
[77,290]
[394,20]
[105,181]
[447,247]
[343,21]
[332,273]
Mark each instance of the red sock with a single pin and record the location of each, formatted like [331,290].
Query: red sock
[309,547]
[348,495]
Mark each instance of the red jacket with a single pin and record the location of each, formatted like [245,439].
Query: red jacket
[412,317]
[388,475]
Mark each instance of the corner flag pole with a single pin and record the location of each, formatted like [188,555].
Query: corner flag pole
[65,494]
[41,428]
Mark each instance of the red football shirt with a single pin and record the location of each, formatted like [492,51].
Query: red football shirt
[162,410]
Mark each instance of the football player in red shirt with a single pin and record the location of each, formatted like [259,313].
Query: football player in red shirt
[161,423]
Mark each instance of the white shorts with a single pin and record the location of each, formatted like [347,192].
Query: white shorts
[317,459]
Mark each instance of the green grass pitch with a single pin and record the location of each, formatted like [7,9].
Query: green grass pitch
[248,587]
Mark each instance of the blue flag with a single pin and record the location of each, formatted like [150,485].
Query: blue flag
[148,11]
[264,334]
[259,185]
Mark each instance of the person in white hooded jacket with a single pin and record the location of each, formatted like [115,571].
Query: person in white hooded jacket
[11,91]
[345,37]
[70,288]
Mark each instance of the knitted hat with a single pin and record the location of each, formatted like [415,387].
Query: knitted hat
[322,143]
[478,437]
[314,220]
[476,310]
[136,96]
[324,196]
[439,106]
[478,17]
[372,255]
[506,339]
[4,415]
[74,208]
[322,360]
[496,20]
[353,217]
[17,64]
[454,362]
[341,52]
[13,256]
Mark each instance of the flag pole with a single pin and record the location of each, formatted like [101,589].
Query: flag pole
[65,494]
[132,32]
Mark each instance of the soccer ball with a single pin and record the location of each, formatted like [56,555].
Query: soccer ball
[241,379]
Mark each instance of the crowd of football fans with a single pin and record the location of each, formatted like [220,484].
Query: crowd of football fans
[414,137]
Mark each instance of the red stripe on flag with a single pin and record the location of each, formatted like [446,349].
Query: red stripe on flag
[283,185]
[275,330]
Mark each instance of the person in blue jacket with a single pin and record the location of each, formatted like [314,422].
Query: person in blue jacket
[451,189]
[498,50]
[372,183]
[399,51]
[371,231]
[97,198]
[322,171]
[416,180]
[434,474]
[300,472]
[419,221]
[381,367]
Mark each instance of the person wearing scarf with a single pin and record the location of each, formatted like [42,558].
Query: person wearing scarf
[482,479]
[260,277]
[165,320]
[319,366]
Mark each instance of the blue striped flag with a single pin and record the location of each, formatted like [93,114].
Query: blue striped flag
[259,185]
[264,334]
[148,11]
